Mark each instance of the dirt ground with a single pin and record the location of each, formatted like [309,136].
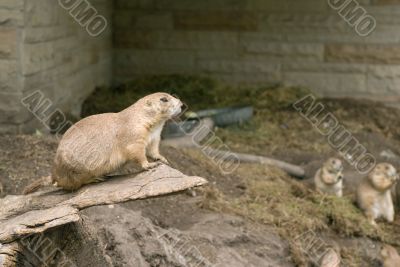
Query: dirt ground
[256,216]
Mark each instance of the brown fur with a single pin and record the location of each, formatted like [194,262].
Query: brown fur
[329,178]
[100,144]
[390,257]
[374,193]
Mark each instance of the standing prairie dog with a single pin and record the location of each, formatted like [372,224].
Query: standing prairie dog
[374,194]
[100,144]
[390,256]
[329,178]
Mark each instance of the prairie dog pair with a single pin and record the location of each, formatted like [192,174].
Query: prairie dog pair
[329,178]
[100,144]
[374,193]
[390,256]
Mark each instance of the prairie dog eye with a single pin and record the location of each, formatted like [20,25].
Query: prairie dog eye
[164,99]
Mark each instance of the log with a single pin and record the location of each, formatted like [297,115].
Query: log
[291,169]
[21,216]
[9,254]
[205,128]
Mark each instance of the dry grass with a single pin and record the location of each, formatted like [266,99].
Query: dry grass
[270,196]
[274,199]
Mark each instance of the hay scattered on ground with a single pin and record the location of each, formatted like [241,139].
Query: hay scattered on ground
[269,196]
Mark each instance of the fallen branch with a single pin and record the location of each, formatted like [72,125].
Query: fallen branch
[204,129]
[9,254]
[291,169]
[25,215]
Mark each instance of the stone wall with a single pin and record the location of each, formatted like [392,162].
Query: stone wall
[46,50]
[11,21]
[303,42]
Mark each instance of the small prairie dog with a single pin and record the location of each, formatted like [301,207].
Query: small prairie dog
[390,257]
[330,259]
[100,144]
[374,194]
[329,178]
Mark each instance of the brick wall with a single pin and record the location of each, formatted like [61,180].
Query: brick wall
[43,48]
[237,41]
[11,21]
[261,41]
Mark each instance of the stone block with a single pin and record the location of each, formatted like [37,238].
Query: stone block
[11,17]
[216,21]
[176,40]
[41,13]
[386,2]
[284,49]
[12,4]
[307,66]
[328,84]
[383,80]
[220,5]
[238,66]
[8,44]
[134,4]
[363,53]
[153,61]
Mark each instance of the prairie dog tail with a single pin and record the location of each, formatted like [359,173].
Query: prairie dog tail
[44,181]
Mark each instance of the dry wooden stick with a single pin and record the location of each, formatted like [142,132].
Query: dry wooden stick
[291,169]
[204,129]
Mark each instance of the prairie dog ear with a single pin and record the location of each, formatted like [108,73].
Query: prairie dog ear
[388,251]
[149,103]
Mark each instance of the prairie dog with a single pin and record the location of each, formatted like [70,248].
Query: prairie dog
[390,256]
[374,194]
[330,259]
[329,178]
[100,144]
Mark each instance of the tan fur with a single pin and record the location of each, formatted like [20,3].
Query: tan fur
[374,193]
[44,181]
[100,144]
[390,256]
[329,178]
[330,259]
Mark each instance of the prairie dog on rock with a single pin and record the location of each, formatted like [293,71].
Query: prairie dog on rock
[374,194]
[329,178]
[390,256]
[100,144]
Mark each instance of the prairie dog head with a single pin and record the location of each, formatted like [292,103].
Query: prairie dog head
[332,171]
[162,105]
[383,176]
[389,255]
